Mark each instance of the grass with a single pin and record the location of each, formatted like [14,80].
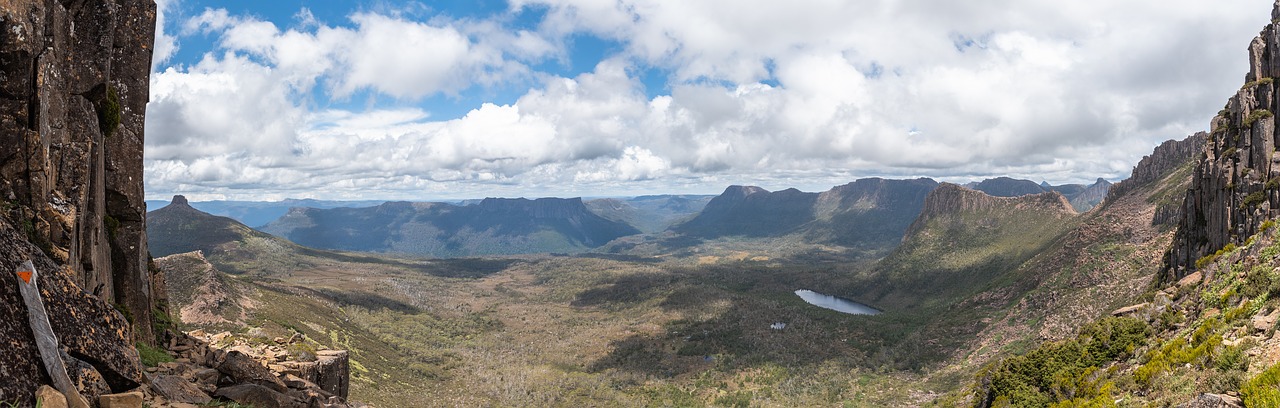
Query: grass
[152,356]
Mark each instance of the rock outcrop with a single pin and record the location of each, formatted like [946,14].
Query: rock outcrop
[950,199]
[1236,184]
[261,372]
[73,93]
[1164,161]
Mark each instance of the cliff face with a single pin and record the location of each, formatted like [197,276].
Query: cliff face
[751,212]
[949,199]
[73,92]
[1236,184]
[1168,159]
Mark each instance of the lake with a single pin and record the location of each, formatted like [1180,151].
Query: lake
[836,303]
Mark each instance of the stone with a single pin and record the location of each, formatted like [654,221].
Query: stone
[1127,310]
[206,376]
[1263,322]
[257,396]
[295,382]
[1213,401]
[178,389]
[132,399]
[1194,277]
[85,377]
[47,397]
[302,369]
[333,371]
[244,369]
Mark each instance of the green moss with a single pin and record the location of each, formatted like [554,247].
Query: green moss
[124,311]
[112,225]
[1207,259]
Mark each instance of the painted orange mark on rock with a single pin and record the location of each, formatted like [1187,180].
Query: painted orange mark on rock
[25,275]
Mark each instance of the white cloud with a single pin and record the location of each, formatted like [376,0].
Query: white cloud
[165,43]
[761,92]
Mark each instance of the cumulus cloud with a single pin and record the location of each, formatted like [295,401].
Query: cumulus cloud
[797,93]
[166,44]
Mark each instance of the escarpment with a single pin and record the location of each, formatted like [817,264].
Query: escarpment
[1236,183]
[73,94]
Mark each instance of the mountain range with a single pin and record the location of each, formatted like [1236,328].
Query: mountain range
[495,226]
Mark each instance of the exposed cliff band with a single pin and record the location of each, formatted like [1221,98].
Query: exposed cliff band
[1236,183]
[73,93]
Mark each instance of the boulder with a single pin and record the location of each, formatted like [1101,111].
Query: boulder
[1262,322]
[1127,310]
[1213,401]
[257,396]
[333,371]
[86,378]
[47,397]
[243,369]
[178,389]
[132,399]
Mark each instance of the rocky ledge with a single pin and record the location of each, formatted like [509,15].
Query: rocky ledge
[250,370]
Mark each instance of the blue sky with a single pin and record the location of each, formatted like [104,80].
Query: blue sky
[458,99]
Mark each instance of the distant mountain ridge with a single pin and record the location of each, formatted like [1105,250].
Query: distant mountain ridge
[1082,197]
[495,226]
[259,213]
[867,214]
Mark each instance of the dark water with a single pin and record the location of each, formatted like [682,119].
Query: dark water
[838,304]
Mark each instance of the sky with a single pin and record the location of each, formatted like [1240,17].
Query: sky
[377,100]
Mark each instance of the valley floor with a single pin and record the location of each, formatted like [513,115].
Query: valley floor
[560,331]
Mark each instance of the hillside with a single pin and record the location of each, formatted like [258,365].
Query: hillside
[753,212]
[968,239]
[862,218]
[495,226]
[1202,332]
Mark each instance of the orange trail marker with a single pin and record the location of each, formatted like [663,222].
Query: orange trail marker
[25,275]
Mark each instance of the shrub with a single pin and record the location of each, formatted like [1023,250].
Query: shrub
[1254,198]
[109,112]
[1263,390]
[1255,115]
[1263,81]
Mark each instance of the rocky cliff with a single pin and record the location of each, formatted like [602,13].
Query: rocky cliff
[73,92]
[751,212]
[949,199]
[1236,184]
[1173,157]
